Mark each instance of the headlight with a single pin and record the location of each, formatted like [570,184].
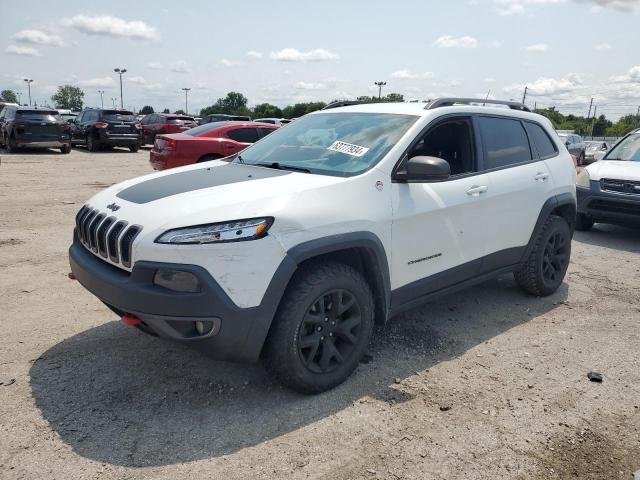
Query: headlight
[238,230]
[583,179]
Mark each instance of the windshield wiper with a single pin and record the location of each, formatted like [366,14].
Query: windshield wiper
[279,166]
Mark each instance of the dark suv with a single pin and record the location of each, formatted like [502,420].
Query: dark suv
[96,128]
[33,127]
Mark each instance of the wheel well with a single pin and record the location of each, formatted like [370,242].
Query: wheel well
[209,156]
[568,212]
[364,261]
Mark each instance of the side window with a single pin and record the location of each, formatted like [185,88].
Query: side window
[505,142]
[243,135]
[545,147]
[145,120]
[265,131]
[452,141]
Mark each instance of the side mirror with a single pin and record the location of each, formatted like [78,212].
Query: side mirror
[567,143]
[424,169]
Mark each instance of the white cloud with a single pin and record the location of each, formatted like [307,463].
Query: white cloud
[548,86]
[138,80]
[447,41]
[490,80]
[153,86]
[155,65]
[603,47]
[230,63]
[507,8]
[310,86]
[97,82]
[254,55]
[621,5]
[537,47]
[179,67]
[111,26]
[632,76]
[293,55]
[38,37]
[409,75]
[23,51]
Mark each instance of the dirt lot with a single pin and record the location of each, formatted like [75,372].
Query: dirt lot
[83,396]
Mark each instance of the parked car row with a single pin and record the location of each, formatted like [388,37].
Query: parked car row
[33,127]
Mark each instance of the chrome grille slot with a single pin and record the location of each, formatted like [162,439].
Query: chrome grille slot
[126,243]
[106,236]
[630,187]
[112,241]
[93,228]
[102,236]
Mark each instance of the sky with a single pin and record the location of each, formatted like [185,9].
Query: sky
[284,51]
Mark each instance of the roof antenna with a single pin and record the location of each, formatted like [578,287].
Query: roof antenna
[485,98]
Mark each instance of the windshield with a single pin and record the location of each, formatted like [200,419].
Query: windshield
[68,117]
[628,149]
[118,116]
[340,144]
[194,132]
[38,115]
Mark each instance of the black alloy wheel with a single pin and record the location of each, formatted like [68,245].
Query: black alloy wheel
[555,258]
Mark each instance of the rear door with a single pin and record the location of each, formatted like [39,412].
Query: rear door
[519,185]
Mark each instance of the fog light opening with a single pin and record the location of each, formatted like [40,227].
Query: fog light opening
[204,327]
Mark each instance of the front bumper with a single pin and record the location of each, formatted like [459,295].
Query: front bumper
[238,333]
[608,207]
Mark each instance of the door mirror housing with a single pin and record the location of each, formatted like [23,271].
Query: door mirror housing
[425,169]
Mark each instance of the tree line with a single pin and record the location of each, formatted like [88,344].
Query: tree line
[235,103]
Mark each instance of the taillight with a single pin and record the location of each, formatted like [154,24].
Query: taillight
[65,126]
[171,144]
[101,124]
[138,126]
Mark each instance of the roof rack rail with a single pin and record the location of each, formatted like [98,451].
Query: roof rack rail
[450,101]
[346,103]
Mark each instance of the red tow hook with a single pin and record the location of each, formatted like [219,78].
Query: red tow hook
[71,276]
[130,320]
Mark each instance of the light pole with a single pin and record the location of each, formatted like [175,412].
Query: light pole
[120,71]
[19,98]
[379,85]
[29,82]
[186,105]
[101,92]
[113,100]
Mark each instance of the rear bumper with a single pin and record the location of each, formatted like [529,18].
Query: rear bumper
[238,333]
[42,141]
[608,207]
[165,160]
[116,140]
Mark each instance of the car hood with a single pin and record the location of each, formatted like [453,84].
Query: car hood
[214,192]
[620,170]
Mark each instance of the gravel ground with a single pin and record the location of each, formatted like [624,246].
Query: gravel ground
[487,383]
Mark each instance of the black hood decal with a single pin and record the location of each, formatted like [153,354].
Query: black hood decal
[182,182]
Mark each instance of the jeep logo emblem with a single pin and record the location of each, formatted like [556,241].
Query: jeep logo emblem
[113,207]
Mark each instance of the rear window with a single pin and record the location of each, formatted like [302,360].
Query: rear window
[546,148]
[179,120]
[505,142]
[197,131]
[44,116]
[243,135]
[118,116]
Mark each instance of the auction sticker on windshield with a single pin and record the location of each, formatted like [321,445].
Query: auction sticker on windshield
[348,148]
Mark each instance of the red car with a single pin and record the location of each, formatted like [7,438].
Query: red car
[160,123]
[206,142]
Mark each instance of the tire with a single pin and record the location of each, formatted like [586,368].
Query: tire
[91,143]
[311,347]
[543,272]
[584,223]
[208,158]
[11,145]
[65,149]
[134,148]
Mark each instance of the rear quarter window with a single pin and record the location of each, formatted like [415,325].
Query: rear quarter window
[505,142]
[543,143]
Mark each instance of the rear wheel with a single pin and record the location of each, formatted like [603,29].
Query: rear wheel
[584,222]
[322,328]
[92,143]
[543,272]
[11,144]
[134,148]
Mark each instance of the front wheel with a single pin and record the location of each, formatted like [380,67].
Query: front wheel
[65,149]
[543,272]
[11,145]
[322,328]
[134,148]
[584,222]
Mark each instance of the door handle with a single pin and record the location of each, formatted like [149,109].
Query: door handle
[476,190]
[541,176]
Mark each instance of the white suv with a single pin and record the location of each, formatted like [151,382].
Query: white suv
[292,250]
[609,189]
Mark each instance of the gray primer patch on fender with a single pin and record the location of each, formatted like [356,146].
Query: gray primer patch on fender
[168,185]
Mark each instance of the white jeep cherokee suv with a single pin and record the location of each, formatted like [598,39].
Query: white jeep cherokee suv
[292,250]
[609,189]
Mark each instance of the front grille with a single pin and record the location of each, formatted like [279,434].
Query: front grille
[611,206]
[630,187]
[106,236]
